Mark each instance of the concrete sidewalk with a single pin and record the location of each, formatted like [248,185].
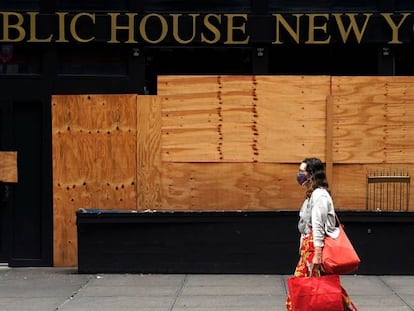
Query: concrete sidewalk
[44,289]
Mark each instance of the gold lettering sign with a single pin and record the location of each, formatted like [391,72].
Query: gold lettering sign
[8,26]
[212,28]
[161,21]
[280,20]
[313,28]
[62,32]
[353,26]
[231,28]
[394,27]
[33,28]
[207,29]
[176,28]
[115,27]
[73,27]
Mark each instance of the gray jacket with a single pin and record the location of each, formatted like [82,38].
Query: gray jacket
[318,213]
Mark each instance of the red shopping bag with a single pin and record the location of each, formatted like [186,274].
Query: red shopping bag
[316,293]
[338,255]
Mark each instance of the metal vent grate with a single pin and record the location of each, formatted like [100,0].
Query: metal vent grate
[388,190]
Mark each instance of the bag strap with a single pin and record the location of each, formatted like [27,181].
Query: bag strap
[339,222]
[337,219]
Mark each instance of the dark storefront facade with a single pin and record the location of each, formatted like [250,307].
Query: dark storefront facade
[121,47]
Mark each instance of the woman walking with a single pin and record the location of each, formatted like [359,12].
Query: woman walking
[317,220]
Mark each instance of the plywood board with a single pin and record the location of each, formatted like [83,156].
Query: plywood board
[94,161]
[230,186]
[8,166]
[148,153]
[244,119]
[187,85]
[373,120]
[210,124]
[292,117]
[224,143]
[349,184]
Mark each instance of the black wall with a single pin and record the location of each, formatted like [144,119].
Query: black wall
[230,242]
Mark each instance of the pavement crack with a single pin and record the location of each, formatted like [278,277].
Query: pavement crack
[395,293]
[73,294]
[178,292]
[283,280]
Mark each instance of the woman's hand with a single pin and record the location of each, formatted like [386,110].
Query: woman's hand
[317,257]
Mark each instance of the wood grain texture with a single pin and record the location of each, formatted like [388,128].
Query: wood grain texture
[292,117]
[8,167]
[243,119]
[94,161]
[224,143]
[349,184]
[148,153]
[230,186]
[373,119]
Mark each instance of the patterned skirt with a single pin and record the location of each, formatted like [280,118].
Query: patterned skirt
[304,267]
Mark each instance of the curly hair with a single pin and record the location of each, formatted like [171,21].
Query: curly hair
[315,167]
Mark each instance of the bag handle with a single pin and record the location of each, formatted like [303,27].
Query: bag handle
[337,219]
[318,272]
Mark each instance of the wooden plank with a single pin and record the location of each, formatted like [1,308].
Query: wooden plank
[94,161]
[200,85]
[230,186]
[148,152]
[67,198]
[181,85]
[349,184]
[240,119]
[329,137]
[115,166]
[374,85]
[94,113]
[8,166]
[292,117]
[373,120]
[215,126]
[259,186]
[224,143]
[73,157]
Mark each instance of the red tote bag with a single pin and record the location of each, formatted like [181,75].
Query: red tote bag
[338,255]
[317,293]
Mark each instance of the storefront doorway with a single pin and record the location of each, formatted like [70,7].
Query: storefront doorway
[25,225]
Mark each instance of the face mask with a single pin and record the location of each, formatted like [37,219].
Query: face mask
[301,178]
